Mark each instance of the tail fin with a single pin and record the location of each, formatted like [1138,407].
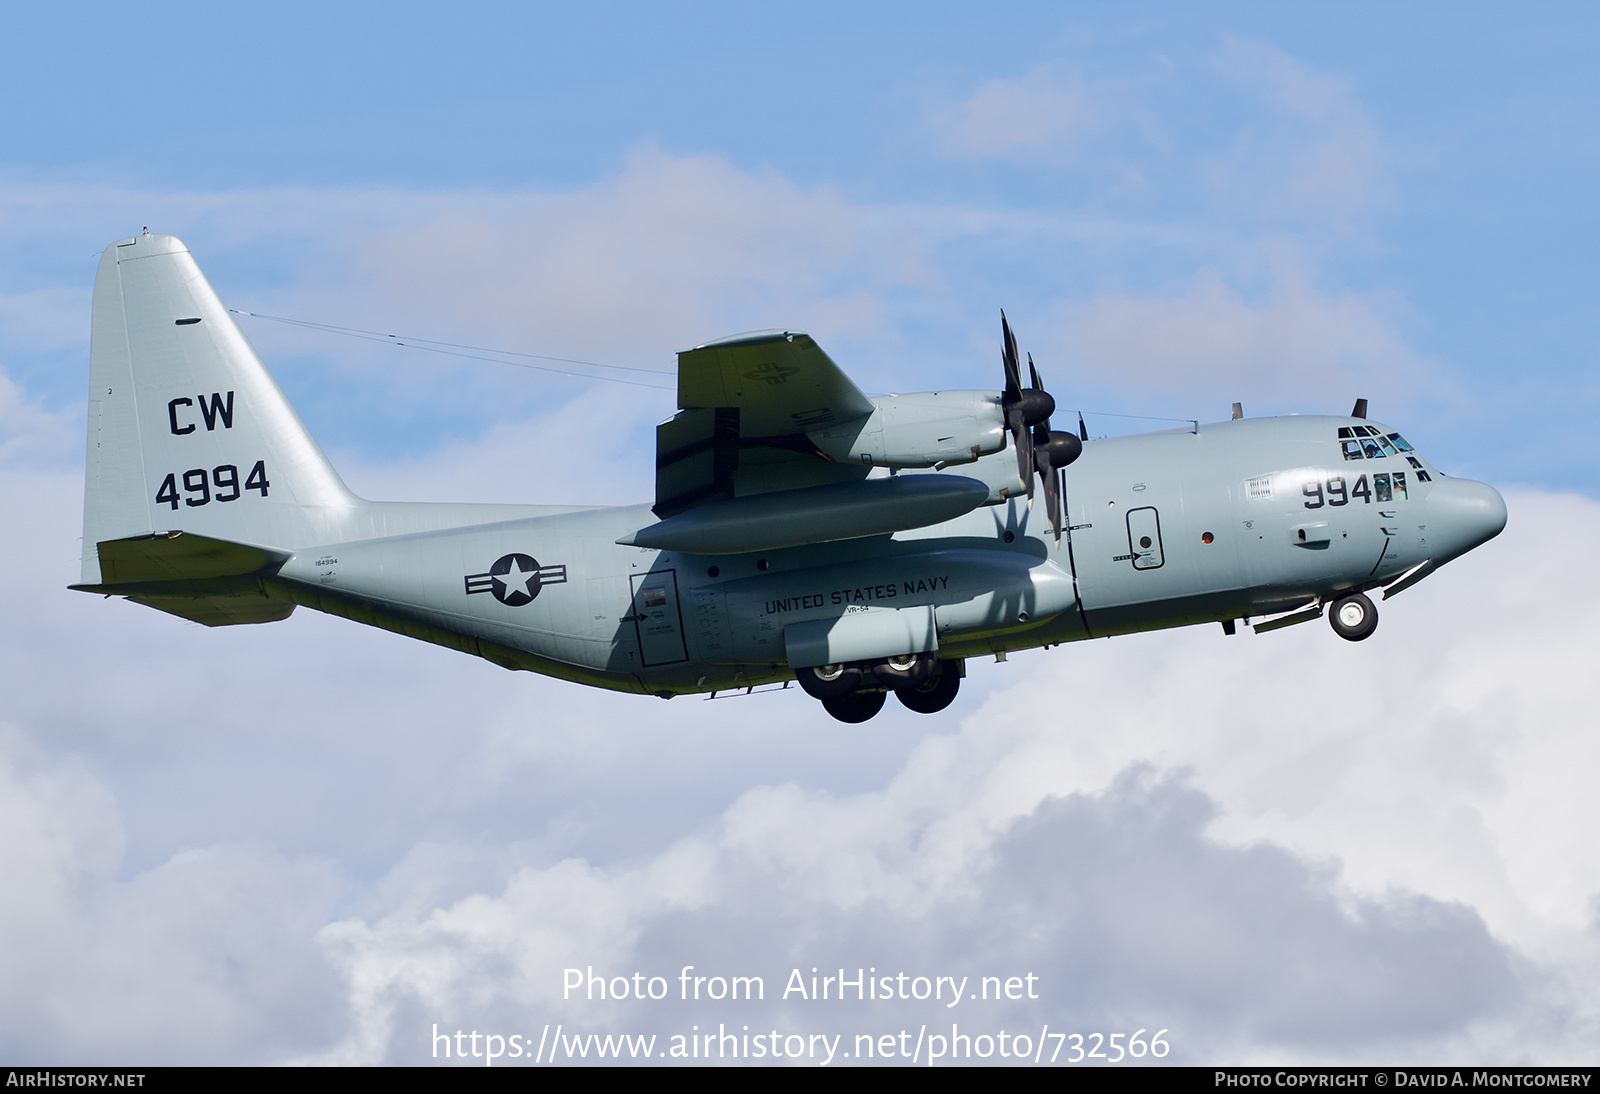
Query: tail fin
[187,429]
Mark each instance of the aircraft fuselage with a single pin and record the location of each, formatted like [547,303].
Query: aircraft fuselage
[1225,521]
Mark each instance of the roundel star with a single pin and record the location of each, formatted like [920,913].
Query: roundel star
[512,575]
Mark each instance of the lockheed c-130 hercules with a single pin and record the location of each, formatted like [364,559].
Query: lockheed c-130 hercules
[800,530]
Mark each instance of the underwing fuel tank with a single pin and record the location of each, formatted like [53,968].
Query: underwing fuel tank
[891,606]
[817,514]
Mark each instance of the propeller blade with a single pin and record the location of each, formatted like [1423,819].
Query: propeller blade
[1042,402]
[1008,358]
[1052,502]
[1023,436]
[1083,430]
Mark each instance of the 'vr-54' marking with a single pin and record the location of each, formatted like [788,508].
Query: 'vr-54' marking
[225,479]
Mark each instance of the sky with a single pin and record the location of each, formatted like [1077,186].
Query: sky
[309,842]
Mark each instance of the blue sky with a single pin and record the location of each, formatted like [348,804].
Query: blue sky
[1178,207]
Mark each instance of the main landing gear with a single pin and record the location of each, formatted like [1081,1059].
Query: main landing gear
[1353,617]
[856,692]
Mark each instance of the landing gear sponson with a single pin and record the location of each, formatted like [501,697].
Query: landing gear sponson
[856,691]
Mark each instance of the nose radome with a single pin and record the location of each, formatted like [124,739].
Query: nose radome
[1461,515]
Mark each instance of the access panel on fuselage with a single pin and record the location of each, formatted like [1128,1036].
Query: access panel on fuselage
[657,619]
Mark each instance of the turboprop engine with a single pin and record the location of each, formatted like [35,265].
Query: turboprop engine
[926,429]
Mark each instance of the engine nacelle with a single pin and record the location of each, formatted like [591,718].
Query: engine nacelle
[926,429]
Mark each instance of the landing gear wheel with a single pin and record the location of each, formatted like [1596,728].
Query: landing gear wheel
[827,682]
[857,707]
[933,695]
[910,671]
[1354,617]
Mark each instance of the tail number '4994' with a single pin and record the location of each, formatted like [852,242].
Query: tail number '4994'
[220,484]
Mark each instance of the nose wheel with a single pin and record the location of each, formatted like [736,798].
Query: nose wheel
[1353,617]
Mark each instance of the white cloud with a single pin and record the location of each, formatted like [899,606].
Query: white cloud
[44,319]
[1218,852]
[1283,845]
[30,434]
[1295,342]
[1019,117]
[1317,157]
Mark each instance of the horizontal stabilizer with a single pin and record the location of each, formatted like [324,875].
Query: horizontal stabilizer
[177,556]
[818,514]
[210,581]
[220,611]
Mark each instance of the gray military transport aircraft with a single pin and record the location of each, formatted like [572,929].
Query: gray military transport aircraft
[800,530]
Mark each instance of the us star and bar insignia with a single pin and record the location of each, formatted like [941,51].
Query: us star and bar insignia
[515,579]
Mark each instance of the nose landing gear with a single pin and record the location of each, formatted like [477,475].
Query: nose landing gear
[1353,617]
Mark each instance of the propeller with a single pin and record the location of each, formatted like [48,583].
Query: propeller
[1023,409]
[1052,450]
[1039,448]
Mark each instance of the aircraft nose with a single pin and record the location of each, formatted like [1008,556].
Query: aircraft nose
[1461,515]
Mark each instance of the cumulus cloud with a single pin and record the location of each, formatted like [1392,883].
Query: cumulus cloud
[1281,846]
[207,958]
[309,841]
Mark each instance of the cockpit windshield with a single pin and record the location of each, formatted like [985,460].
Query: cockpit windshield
[1370,442]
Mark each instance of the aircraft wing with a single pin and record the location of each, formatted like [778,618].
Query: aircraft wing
[780,381]
[745,406]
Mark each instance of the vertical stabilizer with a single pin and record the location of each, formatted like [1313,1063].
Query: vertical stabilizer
[187,429]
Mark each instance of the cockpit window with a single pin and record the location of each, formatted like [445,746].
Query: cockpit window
[1389,486]
[1365,442]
